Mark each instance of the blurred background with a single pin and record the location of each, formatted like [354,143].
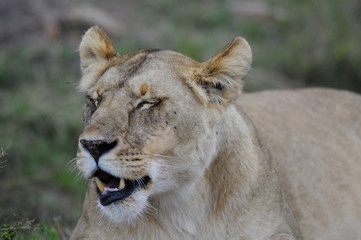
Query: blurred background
[295,44]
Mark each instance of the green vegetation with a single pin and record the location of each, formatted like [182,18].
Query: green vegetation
[17,228]
[9,231]
[304,43]
[40,121]
[295,43]
[318,43]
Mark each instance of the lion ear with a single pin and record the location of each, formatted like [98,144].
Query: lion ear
[220,79]
[96,55]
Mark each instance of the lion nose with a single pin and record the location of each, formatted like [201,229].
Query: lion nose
[97,147]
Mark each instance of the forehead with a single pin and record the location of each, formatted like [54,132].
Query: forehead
[159,69]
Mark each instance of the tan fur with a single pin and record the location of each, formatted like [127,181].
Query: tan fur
[212,175]
[144,89]
[97,54]
[314,138]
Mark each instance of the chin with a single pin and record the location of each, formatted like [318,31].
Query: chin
[127,210]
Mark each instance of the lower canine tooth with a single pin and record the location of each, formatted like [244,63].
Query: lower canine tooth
[121,184]
[100,184]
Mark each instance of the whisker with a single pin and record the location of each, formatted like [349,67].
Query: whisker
[149,209]
[79,178]
[71,165]
[141,182]
[72,169]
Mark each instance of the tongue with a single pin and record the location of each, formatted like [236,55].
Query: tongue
[110,197]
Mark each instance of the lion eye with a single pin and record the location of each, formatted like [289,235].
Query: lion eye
[93,101]
[148,103]
[91,107]
[96,102]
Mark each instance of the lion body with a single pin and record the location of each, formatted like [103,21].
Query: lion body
[210,174]
[314,139]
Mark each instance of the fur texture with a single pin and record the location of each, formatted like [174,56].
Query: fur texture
[177,121]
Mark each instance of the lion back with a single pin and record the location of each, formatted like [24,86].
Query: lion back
[314,139]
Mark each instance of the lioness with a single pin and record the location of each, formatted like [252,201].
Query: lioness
[171,154]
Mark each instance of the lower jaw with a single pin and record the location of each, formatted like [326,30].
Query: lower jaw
[122,195]
[128,210]
[108,199]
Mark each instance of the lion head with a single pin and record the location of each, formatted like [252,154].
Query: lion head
[152,120]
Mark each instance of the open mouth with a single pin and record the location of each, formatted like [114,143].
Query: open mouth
[112,189]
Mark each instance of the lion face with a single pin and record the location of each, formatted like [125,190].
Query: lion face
[151,120]
[135,135]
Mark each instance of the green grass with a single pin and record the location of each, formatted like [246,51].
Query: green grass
[40,122]
[317,43]
[309,43]
[19,228]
